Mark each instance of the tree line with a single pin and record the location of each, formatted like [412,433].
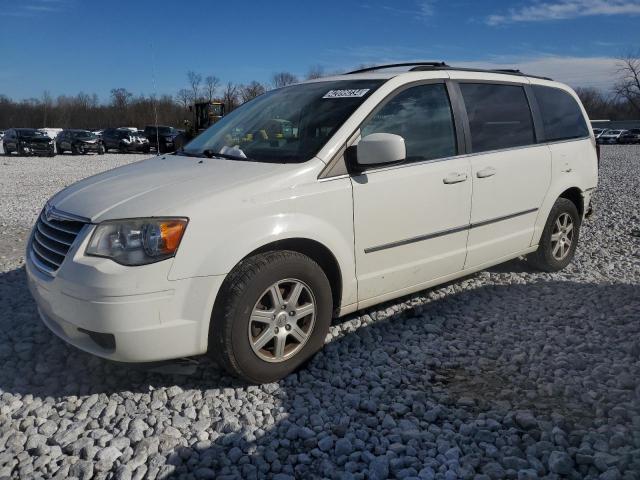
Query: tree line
[123,108]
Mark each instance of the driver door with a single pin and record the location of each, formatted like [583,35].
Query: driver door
[411,220]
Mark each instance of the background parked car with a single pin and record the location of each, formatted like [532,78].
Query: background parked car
[630,136]
[161,137]
[610,136]
[79,142]
[27,141]
[124,140]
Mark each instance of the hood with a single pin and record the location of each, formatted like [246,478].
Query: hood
[156,186]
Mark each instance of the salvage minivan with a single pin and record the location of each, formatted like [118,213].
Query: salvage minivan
[309,202]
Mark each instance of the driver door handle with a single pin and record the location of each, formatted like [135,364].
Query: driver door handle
[455,177]
[486,172]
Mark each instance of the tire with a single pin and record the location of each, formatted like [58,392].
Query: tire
[146,150]
[559,238]
[77,149]
[6,150]
[122,148]
[59,150]
[250,288]
[162,148]
[101,150]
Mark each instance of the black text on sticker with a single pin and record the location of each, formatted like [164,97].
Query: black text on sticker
[347,93]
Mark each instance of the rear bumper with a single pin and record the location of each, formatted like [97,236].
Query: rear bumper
[92,308]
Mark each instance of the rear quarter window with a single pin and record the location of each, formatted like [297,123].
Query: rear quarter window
[562,117]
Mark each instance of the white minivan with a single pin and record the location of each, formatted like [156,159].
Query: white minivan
[310,202]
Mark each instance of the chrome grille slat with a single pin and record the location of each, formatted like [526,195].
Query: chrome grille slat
[53,238]
[42,264]
[48,256]
[66,228]
[43,242]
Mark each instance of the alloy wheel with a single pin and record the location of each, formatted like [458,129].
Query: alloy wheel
[562,236]
[282,320]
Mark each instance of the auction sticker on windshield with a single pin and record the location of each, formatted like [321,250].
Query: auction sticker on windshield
[347,93]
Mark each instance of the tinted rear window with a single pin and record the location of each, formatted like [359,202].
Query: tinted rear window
[499,116]
[561,116]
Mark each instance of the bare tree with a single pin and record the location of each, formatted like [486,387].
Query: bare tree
[282,79]
[211,84]
[251,91]
[195,79]
[628,85]
[230,96]
[184,97]
[315,71]
[119,97]
[47,103]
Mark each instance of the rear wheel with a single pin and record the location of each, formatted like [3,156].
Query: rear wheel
[272,315]
[101,150]
[122,148]
[559,238]
[6,150]
[59,149]
[77,149]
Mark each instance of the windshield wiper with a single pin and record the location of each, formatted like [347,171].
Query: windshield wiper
[183,152]
[210,154]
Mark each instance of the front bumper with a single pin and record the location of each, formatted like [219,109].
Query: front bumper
[91,147]
[38,148]
[126,314]
[137,147]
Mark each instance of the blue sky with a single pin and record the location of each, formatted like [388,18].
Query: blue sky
[67,46]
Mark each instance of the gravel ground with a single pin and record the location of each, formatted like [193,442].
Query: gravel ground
[509,373]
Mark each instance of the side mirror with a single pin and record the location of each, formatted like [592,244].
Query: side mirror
[376,149]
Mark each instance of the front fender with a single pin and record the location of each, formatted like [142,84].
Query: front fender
[215,243]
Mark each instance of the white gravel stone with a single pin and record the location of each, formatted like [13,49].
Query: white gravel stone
[509,373]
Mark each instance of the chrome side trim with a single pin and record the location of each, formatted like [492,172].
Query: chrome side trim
[500,219]
[419,238]
[449,231]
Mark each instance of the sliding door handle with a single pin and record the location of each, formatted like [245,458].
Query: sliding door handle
[456,177]
[486,172]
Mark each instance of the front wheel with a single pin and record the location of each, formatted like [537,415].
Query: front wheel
[272,315]
[559,238]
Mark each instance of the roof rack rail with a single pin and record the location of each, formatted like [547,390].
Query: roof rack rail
[393,65]
[506,71]
[425,66]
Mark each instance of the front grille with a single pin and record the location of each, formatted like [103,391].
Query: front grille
[52,239]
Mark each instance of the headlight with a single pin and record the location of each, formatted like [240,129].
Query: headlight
[137,241]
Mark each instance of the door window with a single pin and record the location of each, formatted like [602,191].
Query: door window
[422,116]
[499,116]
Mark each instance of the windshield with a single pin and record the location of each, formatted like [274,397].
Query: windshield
[288,125]
[86,135]
[165,130]
[25,132]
